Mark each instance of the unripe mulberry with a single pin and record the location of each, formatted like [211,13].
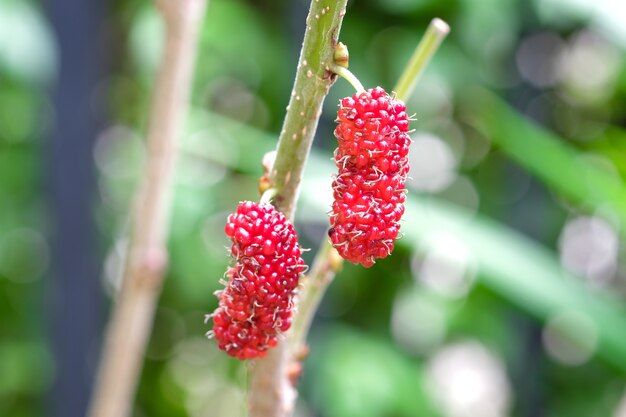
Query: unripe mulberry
[369,190]
[256,305]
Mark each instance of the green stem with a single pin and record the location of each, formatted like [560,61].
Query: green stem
[268,195]
[348,76]
[327,262]
[435,34]
[270,392]
[313,80]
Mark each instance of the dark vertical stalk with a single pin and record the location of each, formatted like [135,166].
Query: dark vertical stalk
[69,179]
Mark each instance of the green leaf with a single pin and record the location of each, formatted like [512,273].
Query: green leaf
[547,156]
[521,270]
[27,49]
[357,374]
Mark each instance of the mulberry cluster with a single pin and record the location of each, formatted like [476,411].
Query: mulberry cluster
[256,305]
[369,191]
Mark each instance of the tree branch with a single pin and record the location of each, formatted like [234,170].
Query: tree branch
[313,79]
[146,260]
[270,392]
[326,264]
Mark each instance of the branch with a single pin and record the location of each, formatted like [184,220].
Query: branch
[313,79]
[270,392]
[326,264]
[435,34]
[146,259]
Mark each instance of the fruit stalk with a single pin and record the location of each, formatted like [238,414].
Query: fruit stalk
[146,257]
[435,34]
[270,392]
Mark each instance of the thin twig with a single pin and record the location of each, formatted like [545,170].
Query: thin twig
[435,34]
[326,264]
[349,76]
[270,391]
[146,260]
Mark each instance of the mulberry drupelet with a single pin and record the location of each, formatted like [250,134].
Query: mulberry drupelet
[256,305]
[369,190]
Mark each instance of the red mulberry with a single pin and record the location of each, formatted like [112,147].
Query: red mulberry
[369,191]
[256,305]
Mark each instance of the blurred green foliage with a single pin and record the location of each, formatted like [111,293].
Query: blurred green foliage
[506,296]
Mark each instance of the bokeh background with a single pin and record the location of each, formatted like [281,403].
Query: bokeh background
[506,296]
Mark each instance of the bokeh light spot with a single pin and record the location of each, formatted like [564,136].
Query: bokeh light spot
[24,255]
[418,324]
[433,165]
[448,266]
[570,338]
[537,56]
[466,380]
[589,246]
[119,152]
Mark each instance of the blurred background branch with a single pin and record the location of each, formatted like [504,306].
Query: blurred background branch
[146,259]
